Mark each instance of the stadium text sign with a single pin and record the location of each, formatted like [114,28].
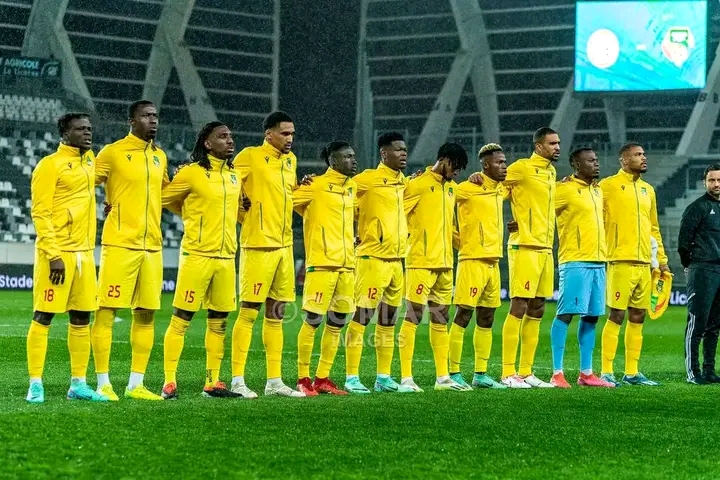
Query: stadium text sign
[20,277]
[29,67]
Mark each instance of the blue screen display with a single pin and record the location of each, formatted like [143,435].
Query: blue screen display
[640,46]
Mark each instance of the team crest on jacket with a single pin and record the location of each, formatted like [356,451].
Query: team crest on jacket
[156,160]
[385,181]
[233,179]
[288,162]
[450,192]
[432,189]
[643,190]
[89,162]
[207,173]
[349,190]
[622,187]
[128,156]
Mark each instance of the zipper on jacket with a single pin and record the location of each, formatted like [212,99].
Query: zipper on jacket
[342,216]
[444,227]
[498,213]
[482,234]
[597,220]
[200,232]
[261,215]
[147,194]
[637,205]
[91,217]
[282,176]
[424,242]
[549,212]
[399,212]
[118,216]
[222,179]
[70,223]
[322,230]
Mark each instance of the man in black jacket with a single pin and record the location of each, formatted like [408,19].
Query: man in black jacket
[699,249]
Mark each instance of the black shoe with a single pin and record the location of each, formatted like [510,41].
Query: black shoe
[219,390]
[711,377]
[698,380]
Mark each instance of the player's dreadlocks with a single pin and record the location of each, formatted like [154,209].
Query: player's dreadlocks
[200,153]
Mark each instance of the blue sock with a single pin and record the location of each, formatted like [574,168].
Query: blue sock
[558,335]
[586,340]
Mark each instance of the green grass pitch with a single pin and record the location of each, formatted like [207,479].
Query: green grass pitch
[631,432]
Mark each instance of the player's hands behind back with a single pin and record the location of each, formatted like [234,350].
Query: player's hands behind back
[57,271]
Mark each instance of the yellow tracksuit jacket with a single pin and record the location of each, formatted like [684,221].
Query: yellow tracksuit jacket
[208,202]
[580,225]
[327,206]
[134,173]
[630,214]
[268,179]
[63,202]
[430,209]
[480,225]
[382,225]
[532,198]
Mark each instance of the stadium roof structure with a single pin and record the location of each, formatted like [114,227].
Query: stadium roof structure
[195,58]
[476,71]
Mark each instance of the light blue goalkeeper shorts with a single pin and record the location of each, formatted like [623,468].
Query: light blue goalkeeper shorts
[582,289]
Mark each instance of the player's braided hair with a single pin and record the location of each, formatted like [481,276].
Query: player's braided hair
[200,153]
[489,149]
[331,148]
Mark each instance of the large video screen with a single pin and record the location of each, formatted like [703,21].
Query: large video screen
[627,46]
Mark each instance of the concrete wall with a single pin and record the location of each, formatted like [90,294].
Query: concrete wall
[24,254]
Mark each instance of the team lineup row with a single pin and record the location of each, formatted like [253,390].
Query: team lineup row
[407,230]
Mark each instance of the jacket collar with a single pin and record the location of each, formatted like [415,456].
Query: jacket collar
[271,150]
[489,182]
[216,163]
[436,176]
[539,161]
[628,176]
[68,150]
[575,179]
[139,142]
[389,171]
[336,176]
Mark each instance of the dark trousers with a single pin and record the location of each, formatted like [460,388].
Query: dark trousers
[703,289]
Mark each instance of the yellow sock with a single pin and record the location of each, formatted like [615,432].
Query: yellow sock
[610,335]
[78,341]
[457,335]
[142,337]
[241,337]
[101,338]
[354,338]
[305,344]
[173,346]
[633,346]
[328,349]
[482,341]
[406,345]
[384,348]
[37,342]
[272,335]
[440,344]
[529,337]
[510,338]
[214,348]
